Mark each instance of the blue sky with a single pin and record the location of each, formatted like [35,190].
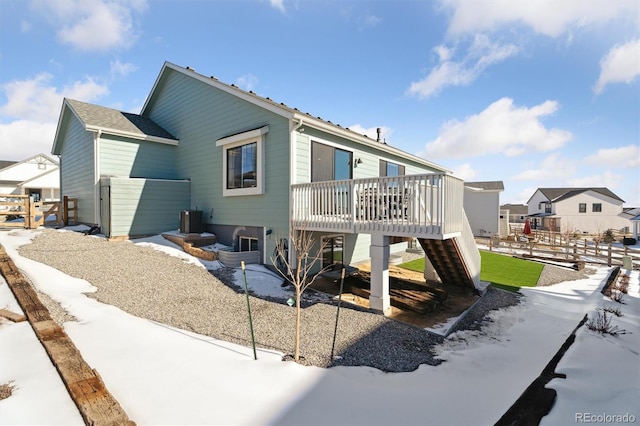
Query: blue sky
[540,93]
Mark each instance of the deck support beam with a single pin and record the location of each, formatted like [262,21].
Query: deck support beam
[379,252]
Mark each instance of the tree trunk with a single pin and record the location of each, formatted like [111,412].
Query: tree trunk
[297,346]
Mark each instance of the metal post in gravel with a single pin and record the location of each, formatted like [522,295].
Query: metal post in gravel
[335,330]
[246,293]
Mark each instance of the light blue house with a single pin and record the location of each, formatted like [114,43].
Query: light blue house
[252,168]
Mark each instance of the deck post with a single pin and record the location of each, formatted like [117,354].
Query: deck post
[379,252]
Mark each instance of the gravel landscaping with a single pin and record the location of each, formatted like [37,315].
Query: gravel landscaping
[151,284]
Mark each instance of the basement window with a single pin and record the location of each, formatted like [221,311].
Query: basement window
[248,244]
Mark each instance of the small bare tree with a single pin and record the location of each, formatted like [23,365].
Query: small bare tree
[298,271]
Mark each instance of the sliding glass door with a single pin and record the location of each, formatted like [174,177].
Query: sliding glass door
[330,163]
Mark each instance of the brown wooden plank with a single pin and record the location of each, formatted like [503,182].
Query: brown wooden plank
[12,316]
[95,404]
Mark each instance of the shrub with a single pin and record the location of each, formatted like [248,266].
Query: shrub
[617,296]
[6,389]
[608,236]
[602,324]
[612,310]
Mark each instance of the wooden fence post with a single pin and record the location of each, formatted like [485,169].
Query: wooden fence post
[27,212]
[609,255]
[575,251]
[65,210]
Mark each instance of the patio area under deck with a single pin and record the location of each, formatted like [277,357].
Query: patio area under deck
[426,207]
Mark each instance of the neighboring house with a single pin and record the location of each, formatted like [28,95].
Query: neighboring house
[482,206]
[249,168]
[36,176]
[582,210]
[516,213]
[632,214]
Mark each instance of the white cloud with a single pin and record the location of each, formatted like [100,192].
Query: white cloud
[35,104]
[549,17]
[465,171]
[552,168]
[278,4]
[34,99]
[369,21]
[372,132]
[625,157]
[524,195]
[608,179]
[481,54]
[92,24]
[23,138]
[122,69]
[25,26]
[620,65]
[247,82]
[501,128]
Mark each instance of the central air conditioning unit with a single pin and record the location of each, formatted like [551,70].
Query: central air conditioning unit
[190,221]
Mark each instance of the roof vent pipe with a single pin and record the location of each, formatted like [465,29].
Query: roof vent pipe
[379,131]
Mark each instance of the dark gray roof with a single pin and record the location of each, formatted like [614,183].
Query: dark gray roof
[6,163]
[515,208]
[496,185]
[108,118]
[559,194]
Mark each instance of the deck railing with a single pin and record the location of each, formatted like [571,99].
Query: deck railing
[427,205]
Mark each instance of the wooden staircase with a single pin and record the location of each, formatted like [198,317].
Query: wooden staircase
[447,260]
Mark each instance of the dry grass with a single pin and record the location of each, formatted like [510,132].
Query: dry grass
[6,389]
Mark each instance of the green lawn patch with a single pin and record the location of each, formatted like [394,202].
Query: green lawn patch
[503,271]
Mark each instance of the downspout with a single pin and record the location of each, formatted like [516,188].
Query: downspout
[97,214]
[294,125]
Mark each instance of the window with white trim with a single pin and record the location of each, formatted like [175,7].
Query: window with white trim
[243,158]
[248,244]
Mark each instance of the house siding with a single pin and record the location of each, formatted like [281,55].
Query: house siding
[483,212]
[132,158]
[590,221]
[146,206]
[77,177]
[199,115]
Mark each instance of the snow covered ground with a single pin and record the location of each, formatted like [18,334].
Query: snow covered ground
[162,375]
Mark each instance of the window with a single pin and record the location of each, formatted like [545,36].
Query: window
[582,208]
[248,244]
[330,163]
[596,207]
[387,168]
[242,165]
[243,159]
[547,207]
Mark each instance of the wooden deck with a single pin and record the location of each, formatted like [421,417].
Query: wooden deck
[423,206]
[404,294]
